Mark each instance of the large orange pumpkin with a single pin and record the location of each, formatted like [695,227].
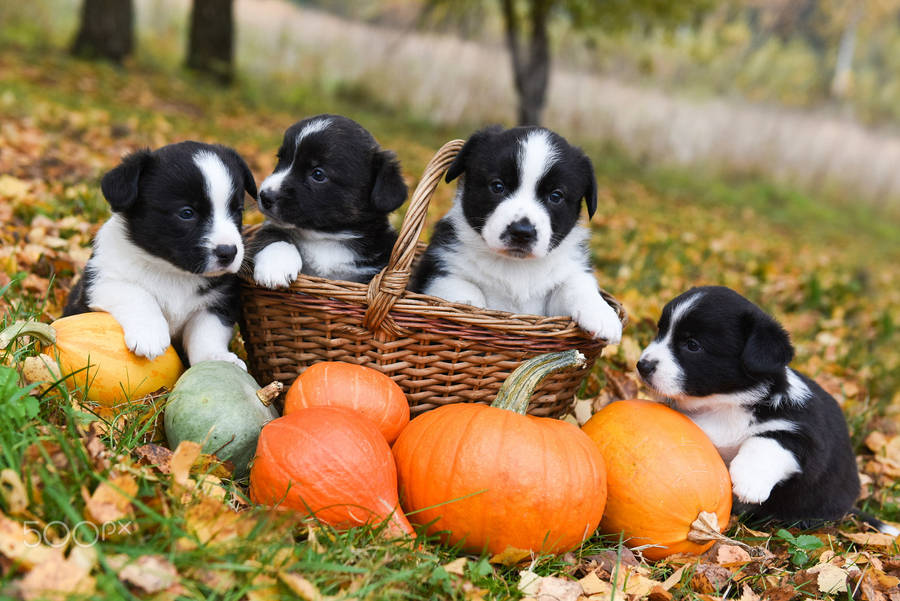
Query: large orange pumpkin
[490,477]
[663,472]
[330,462]
[91,347]
[357,387]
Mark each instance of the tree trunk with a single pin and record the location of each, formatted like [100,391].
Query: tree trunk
[106,30]
[842,82]
[211,42]
[531,64]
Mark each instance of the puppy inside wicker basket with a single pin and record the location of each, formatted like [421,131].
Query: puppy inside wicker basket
[512,241]
[326,205]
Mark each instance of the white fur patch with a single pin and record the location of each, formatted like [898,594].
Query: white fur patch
[206,338]
[149,297]
[223,231]
[668,377]
[277,265]
[273,182]
[798,392]
[760,464]
[555,284]
[327,255]
[536,156]
[729,424]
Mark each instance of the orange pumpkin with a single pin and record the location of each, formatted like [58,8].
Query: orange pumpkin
[330,462]
[663,472]
[490,477]
[357,387]
[90,349]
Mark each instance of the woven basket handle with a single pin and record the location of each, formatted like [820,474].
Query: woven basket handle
[390,283]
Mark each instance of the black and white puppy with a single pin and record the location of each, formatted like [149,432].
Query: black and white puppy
[164,263]
[512,241]
[723,362]
[327,205]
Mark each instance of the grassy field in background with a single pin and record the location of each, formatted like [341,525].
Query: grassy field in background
[826,269]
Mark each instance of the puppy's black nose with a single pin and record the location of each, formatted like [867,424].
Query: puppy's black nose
[646,367]
[520,233]
[265,199]
[225,253]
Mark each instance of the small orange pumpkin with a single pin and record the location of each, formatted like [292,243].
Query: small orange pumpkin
[490,477]
[330,462]
[663,473]
[339,384]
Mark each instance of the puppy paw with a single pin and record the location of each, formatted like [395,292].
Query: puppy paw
[600,321]
[277,265]
[749,483]
[228,357]
[148,341]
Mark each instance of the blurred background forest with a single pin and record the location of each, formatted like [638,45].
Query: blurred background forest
[803,91]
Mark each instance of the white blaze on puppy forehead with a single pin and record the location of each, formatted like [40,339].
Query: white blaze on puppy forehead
[536,155]
[273,182]
[668,377]
[219,187]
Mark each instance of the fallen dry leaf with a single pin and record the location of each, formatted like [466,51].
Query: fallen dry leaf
[22,544]
[868,539]
[732,556]
[747,593]
[710,578]
[111,500]
[182,459]
[60,578]
[156,455]
[548,588]
[456,567]
[830,578]
[213,522]
[510,556]
[149,574]
[300,586]
[13,491]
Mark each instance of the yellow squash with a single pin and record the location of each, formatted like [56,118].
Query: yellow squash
[90,349]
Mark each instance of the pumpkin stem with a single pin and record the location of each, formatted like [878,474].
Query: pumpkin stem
[42,331]
[269,392]
[516,391]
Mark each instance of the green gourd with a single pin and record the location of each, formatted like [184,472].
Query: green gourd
[216,403]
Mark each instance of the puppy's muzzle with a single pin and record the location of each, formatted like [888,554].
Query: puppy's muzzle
[266,199]
[225,254]
[646,367]
[519,235]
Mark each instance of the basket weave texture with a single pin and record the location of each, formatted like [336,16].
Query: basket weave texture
[438,352]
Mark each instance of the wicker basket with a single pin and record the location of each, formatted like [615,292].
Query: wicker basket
[438,352]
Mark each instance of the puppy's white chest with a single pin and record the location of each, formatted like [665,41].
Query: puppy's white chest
[327,257]
[727,428]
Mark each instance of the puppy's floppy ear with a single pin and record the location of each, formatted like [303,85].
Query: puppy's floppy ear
[249,181]
[590,195]
[768,349]
[388,189]
[458,166]
[120,185]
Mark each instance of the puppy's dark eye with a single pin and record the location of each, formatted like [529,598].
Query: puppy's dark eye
[692,345]
[186,213]
[318,175]
[497,186]
[556,197]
